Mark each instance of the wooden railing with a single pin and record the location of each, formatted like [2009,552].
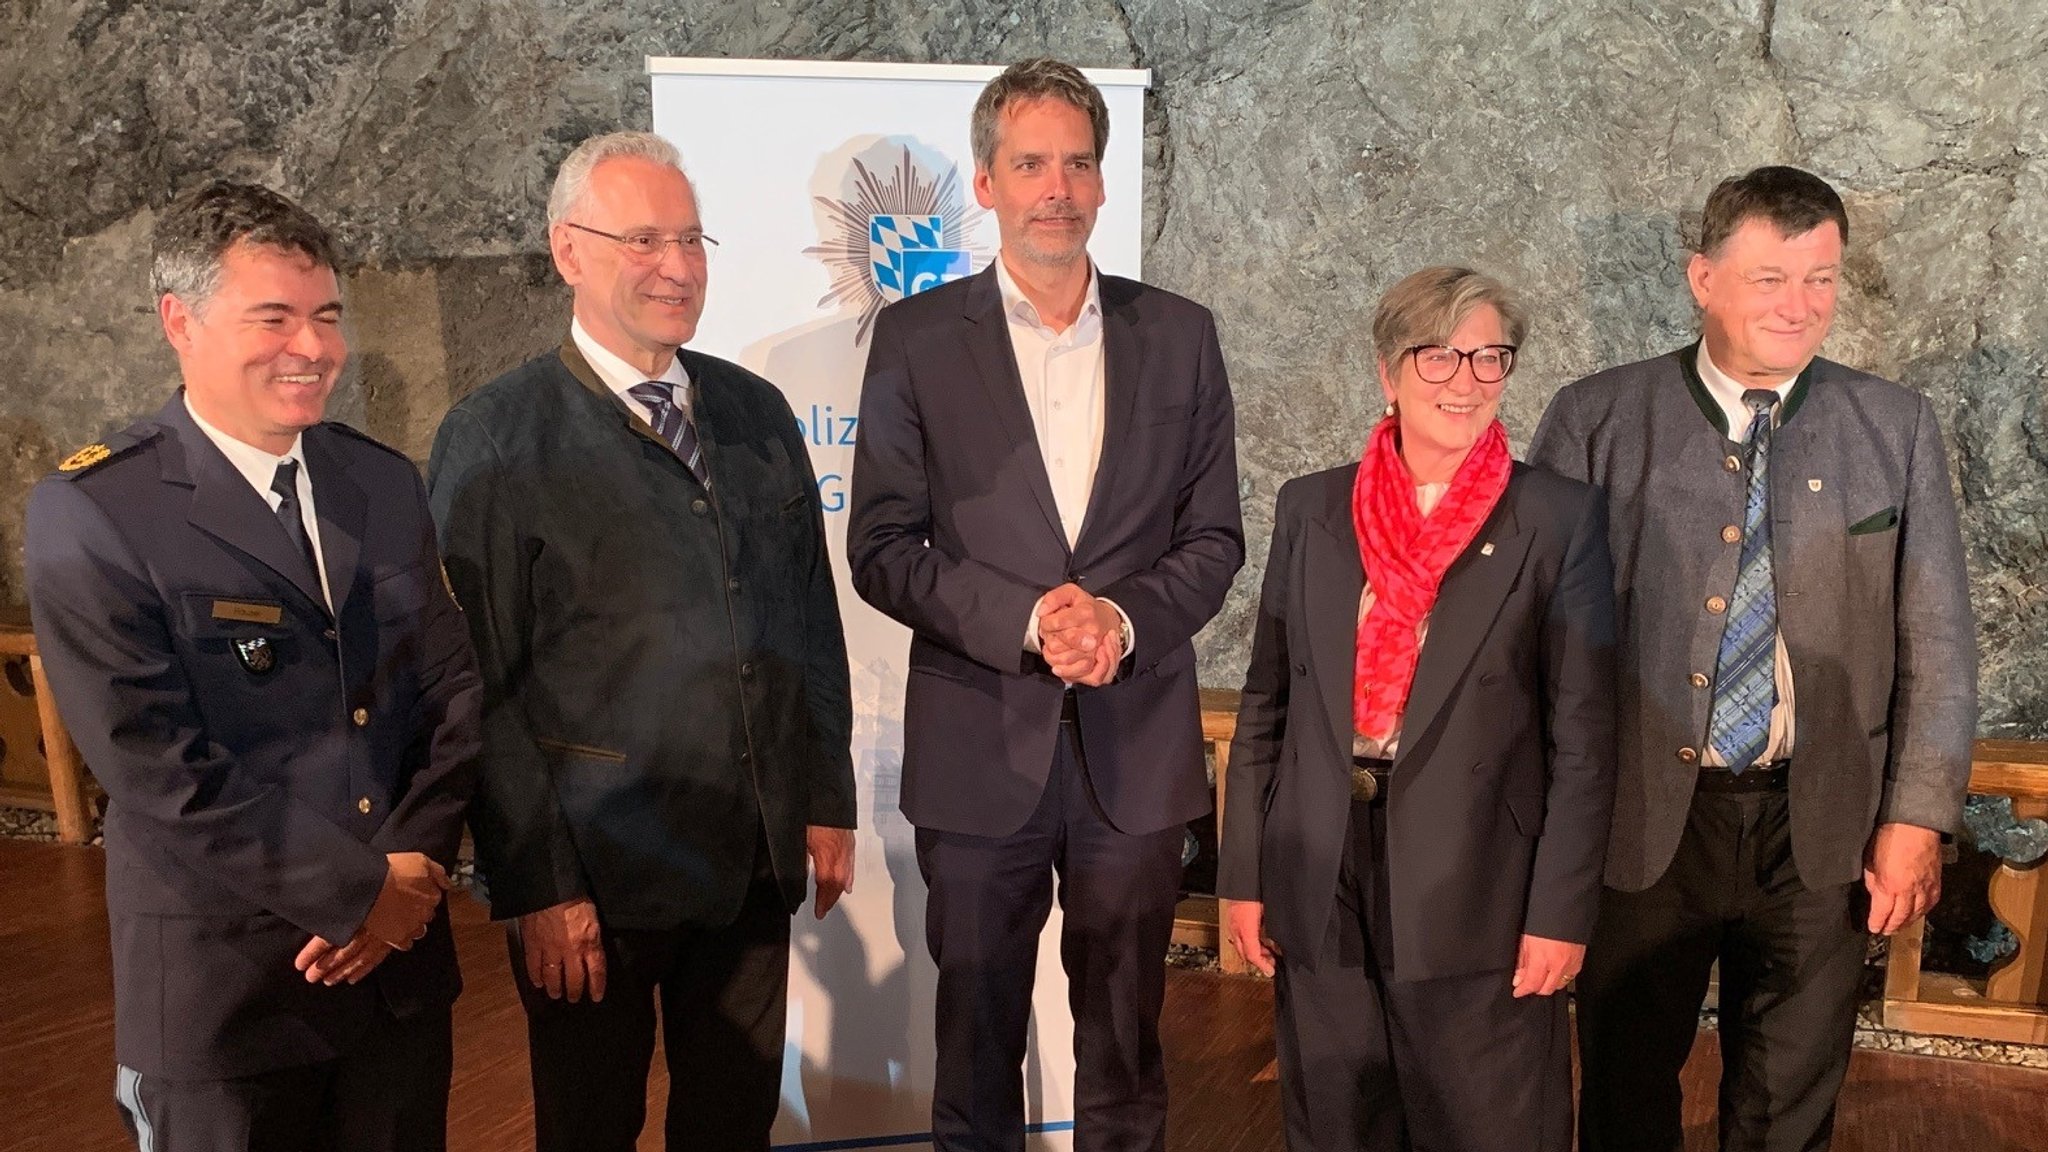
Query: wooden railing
[2011,1006]
[39,765]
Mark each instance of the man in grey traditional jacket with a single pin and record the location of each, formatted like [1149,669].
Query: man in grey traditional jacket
[1797,686]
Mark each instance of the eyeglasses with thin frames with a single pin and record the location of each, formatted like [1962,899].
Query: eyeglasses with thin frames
[650,247]
[1437,363]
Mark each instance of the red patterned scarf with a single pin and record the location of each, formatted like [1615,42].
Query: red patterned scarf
[1405,555]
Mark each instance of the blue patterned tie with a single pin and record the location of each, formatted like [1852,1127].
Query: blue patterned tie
[1745,672]
[671,425]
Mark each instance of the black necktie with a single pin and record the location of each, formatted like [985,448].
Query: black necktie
[285,482]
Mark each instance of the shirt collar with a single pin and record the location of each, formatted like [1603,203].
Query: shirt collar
[1728,391]
[258,466]
[1018,307]
[619,375]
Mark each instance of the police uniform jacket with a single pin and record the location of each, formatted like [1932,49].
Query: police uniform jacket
[260,755]
[1872,592]
[665,676]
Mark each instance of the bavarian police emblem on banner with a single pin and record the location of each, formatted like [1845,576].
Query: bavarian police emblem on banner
[907,254]
[900,226]
[256,655]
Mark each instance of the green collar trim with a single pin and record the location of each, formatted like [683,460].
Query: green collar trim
[1688,363]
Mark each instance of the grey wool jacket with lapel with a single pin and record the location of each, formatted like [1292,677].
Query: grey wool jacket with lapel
[1873,600]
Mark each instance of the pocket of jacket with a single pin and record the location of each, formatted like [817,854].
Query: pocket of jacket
[1526,809]
[1876,522]
[580,750]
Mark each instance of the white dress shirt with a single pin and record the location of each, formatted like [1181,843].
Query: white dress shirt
[259,468]
[1062,374]
[619,376]
[1727,392]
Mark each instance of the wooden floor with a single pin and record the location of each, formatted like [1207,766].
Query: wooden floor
[56,1048]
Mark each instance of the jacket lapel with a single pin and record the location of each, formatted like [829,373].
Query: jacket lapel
[1467,603]
[1332,578]
[631,416]
[1122,358]
[226,507]
[995,362]
[343,510]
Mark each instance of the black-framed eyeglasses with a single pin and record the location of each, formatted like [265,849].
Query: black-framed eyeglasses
[650,247]
[1437,363]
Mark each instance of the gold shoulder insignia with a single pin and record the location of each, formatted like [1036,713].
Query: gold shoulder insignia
[84,458]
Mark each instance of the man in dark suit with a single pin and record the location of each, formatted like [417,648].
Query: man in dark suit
[1045,492]
[246,628]
[1798,687]
[636,535]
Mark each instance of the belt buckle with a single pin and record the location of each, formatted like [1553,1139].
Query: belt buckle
[1364,785]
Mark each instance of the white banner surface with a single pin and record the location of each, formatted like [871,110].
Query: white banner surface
[834,189]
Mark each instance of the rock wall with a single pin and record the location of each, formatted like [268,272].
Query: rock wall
[1301,154]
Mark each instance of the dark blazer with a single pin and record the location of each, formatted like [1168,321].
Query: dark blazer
[954,533]
[1498,808]
[1873,600]
[663,667]
[260,757]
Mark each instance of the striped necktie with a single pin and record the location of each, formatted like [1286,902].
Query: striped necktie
[1745,671]
[673,426]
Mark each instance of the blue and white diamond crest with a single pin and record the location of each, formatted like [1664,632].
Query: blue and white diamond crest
[907,254]
[903,225]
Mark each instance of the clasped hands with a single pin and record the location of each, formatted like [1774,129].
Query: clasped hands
[1080,637]
[405,906]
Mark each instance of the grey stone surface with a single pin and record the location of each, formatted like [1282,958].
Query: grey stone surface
[1302,155]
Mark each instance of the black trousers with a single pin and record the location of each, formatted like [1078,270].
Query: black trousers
[1373,1064]
[1791,969]
[722,996]
[989,899]
[389,1093]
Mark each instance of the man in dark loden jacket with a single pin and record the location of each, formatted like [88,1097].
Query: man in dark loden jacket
[635,534]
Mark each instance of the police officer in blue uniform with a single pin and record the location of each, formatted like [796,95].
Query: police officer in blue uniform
[248,631]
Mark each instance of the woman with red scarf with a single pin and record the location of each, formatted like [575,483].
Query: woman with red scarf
[1424,764]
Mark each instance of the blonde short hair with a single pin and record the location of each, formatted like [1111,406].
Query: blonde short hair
[1427,306]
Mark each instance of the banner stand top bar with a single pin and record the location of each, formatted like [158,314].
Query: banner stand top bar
[868,70]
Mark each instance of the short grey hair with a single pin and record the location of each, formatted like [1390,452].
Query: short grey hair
[1428,305]
[195,231]
[1040,78]
[572,179]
